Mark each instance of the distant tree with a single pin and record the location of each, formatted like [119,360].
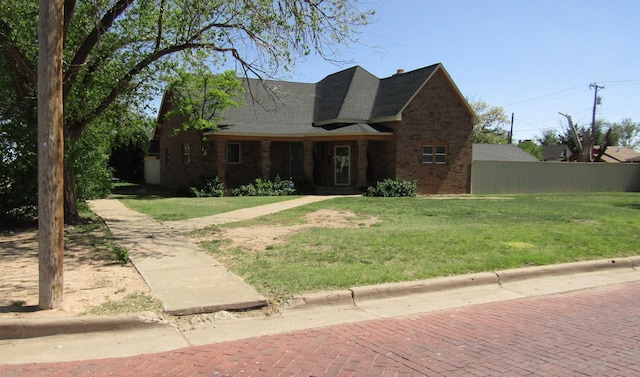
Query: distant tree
[490,126]
[549,137]
[532,148]
[627,133]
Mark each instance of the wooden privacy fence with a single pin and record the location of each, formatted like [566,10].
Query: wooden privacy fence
[503,177]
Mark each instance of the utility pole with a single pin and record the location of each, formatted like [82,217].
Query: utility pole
[511,132]
[596,101]
[50,154]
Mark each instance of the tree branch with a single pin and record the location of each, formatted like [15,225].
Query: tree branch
[159,38]
[75,128]
[69,10]
[90,43]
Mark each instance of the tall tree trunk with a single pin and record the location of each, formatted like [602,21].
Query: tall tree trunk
[71,215]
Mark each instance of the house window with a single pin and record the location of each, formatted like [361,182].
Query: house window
[233,153]
[167,157]
[186,154]
[434,154]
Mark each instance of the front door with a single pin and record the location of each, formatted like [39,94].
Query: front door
[341,165]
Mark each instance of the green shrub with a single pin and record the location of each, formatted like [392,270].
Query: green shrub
[205,187]
[121,255]
[392,188]
[265,187]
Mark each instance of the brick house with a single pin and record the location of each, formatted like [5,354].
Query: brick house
[347,131]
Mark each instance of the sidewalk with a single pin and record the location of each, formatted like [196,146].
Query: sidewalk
[584,333]
[188,281]
[179,272]
[321,311]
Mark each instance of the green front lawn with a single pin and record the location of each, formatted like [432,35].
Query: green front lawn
[168,209]
[423,237]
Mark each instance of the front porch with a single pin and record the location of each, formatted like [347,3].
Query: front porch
[327,166]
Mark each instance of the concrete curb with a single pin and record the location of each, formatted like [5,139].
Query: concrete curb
[422,286]
[38,327]
[352,296]
[564,269]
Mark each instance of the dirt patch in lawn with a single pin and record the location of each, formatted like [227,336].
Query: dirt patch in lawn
[91,278]
[259,238]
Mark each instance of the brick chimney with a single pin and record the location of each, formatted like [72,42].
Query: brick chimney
[399,71]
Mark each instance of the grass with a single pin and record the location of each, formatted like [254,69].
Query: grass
[168,209]
[133,303]
[418,238]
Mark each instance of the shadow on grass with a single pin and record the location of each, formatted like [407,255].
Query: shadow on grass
[629,205]
[141,191]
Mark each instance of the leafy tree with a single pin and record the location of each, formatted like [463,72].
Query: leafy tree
[491,121]
[627,133]
[549,137]
[116,50]
[532,148]
[202,96]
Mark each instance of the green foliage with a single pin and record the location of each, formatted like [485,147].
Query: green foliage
[18,174]
[129,146]
[549,137]
[90,156]
[531,148]
[627,133]
[206,187]
[392,188]
[117,52]
[491,122]
[265,187]
[201,97]
[121,255]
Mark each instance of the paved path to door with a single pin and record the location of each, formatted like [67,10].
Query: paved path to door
[592,332]
[179,272]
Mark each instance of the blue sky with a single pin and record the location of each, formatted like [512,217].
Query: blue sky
[534,58]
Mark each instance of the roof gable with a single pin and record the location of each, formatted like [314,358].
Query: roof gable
[353,96]
[397,91]
[345,97]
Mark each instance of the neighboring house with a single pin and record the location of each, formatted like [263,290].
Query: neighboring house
[500,152]
[347,131]
[556,152]
[634,159]
[617,154]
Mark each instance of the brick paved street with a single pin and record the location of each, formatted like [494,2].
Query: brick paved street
[585,333]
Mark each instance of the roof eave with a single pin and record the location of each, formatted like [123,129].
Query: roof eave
[329,122]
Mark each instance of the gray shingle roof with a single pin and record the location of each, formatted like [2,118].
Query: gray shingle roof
[500,152]
[348,102]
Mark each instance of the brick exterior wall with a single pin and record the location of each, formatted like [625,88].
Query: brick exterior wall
[436,115]
[382,157]
[175,171]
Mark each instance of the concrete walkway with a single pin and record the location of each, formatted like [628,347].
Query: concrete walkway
[179,272]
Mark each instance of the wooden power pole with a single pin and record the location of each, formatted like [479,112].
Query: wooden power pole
[50,154]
